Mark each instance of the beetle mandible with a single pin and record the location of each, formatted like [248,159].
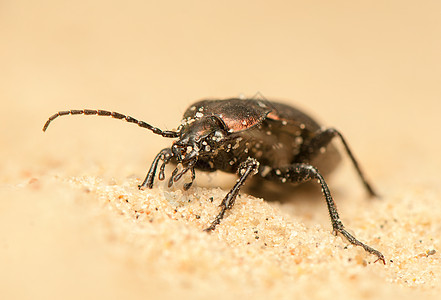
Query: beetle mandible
[249,137]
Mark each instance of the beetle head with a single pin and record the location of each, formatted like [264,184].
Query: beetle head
[198,137]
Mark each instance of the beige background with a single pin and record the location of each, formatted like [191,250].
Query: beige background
[72,222]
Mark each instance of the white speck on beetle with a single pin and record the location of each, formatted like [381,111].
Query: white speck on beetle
[237,143]
[265,171]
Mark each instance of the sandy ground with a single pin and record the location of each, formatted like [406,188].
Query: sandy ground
[73,223]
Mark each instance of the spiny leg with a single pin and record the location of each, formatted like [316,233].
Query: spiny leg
[322,139]
[299,173]
[165,155]
[246,169]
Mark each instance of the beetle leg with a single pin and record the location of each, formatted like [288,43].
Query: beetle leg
[299,173]
[321,140]
[165,155]
[246,169]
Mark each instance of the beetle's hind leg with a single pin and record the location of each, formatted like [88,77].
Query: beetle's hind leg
[299,173]
[246,169]
[318,143]
[165,155]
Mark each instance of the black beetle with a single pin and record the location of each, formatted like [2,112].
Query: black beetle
[248,136]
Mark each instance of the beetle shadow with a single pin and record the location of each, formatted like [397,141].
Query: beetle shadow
[283,192]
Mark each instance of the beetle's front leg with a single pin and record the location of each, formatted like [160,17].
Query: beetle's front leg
[246,169]
[165,155]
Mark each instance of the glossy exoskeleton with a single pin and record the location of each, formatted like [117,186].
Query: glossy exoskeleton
[249,137]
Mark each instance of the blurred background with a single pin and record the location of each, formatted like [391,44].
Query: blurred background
[369,68]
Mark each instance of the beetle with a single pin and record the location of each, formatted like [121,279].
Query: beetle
[271,140]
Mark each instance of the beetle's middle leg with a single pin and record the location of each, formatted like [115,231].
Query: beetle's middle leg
[322,138]
[299,173]
[246,169]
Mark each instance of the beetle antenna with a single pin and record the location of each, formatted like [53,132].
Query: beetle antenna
[115,115]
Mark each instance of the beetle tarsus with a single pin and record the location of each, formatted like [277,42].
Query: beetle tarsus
[356,242]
